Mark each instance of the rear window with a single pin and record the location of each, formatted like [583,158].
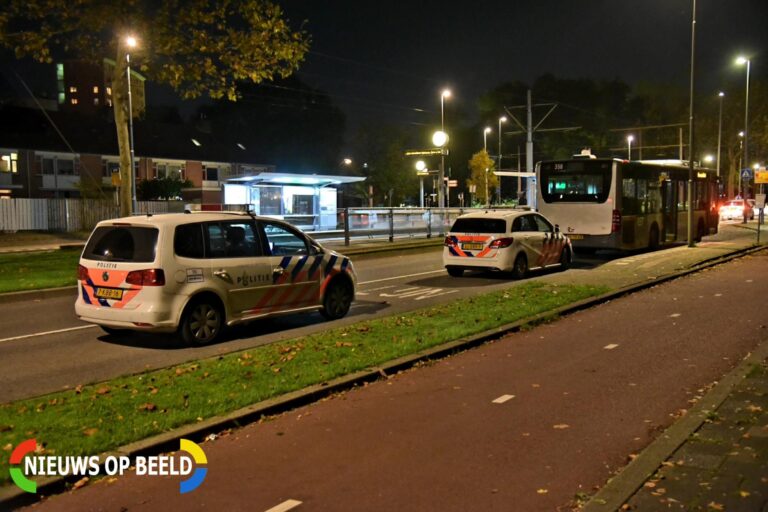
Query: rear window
[479,225]
[122,243]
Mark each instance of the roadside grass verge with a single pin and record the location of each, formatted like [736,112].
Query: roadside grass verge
[38,270]
[95,418]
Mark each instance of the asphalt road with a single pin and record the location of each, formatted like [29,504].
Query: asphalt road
[44,347]
[524,423]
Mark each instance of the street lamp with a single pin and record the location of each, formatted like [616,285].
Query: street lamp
[441,192]
[485,138]
[421,170]
[708,159]
[630,138]
[347,161]
[720,95]
[487,197]
[502,119]
[741,162]
[131,43]
[741,61]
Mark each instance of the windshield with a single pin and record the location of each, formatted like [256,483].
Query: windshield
[479,225]
[577,181]
[122,243]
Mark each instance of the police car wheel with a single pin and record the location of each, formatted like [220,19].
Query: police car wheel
[455,271]
[337,300]
[520,268]
[202,323]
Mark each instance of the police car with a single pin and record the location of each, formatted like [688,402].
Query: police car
[197,273]
[515,241]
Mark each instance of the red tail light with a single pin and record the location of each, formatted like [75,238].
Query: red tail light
[501,243]
[149,277]
[82,273]
[449,242]
[616,221]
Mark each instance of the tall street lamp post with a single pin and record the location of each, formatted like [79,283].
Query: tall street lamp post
[745,159]
[441,192]
[720,95]
[630,138]
[741,161]
[502,119]
[691,139]
[130,42]
[421,170]
[485,138]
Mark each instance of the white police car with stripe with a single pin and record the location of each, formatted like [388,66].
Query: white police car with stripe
[196,274]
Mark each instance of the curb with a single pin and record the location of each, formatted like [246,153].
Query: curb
[11,496]
[626,483]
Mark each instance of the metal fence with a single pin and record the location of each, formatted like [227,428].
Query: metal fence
[68,214]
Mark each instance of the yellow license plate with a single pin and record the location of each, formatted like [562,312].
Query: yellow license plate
[109,293]
[473,247]
[576,237]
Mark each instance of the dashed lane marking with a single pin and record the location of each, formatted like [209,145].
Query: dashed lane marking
[503,398]
[611,346]
[57,331]
[285,506]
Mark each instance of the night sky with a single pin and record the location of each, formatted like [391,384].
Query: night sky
[388,61]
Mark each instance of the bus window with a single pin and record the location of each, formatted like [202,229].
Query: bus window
[654,197]
[629,197]
[681,197]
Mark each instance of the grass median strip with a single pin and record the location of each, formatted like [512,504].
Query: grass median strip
[99,417]
[38,270]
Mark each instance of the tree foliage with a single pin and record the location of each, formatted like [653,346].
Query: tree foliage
[195,46]
[481,169]
[161,189]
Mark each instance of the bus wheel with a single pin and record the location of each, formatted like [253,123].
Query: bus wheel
[565,259]
[653,238]
[700,231]
[520,269]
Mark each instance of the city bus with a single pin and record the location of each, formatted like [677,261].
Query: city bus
[606,203]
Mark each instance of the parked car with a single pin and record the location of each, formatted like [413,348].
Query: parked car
[515,241]
[198,273]
[738,209]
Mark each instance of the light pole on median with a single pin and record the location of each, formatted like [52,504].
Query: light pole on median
[485,138]
[130,42]
[630,138]
[720,95]
[741,61]
[441,191]
[502,119]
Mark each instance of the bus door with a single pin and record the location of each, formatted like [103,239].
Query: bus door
[669,210]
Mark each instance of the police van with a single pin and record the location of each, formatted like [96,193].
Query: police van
[198,273]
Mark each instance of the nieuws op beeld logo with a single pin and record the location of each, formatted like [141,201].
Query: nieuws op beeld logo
[25,464]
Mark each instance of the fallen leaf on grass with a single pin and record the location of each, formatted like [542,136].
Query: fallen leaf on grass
[149,407]
[744,494]
[79,389]
[90,431]
[102,390]
[715,506]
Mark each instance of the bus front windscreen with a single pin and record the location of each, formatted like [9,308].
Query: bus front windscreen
[577,181]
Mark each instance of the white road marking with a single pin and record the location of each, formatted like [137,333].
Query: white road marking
[381,288]
[611,346]
[675,315]
[284,506]
[503,398]
[401,277]
[57,331]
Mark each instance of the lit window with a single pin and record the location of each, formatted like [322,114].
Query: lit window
[109,103]
[8,162]
[59,71]
[109,91]
[73,89]
[95,89]
[74,101]
[62,98]
[96,102]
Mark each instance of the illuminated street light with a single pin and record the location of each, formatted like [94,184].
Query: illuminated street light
[441,191]
[720,95]
[439,139]
[709,159]
[630,138]
[741,61]
[347,161]
[502,119]
[131,42]
[421,168]
[485,138]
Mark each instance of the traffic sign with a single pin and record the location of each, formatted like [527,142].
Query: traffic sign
[746,174]
[761,176]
